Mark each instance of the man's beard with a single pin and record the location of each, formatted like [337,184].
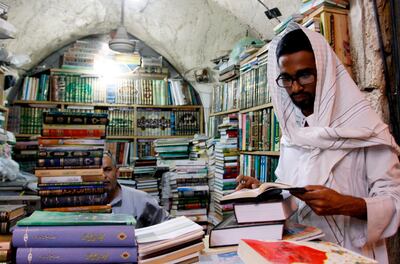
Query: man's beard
[306,103]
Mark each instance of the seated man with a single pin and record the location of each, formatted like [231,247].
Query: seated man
[127,200]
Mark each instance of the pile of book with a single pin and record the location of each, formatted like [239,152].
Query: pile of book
[198,147]
[9,216]
[172,148]
[309,6]
[261,213]
[211,179]
[226,164]
[190,191]
[67,238]
[69,168]
[144,175]
[178,240]
[81,55]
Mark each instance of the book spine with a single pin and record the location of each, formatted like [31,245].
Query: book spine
[73,133]
[70,162]
[74,236]
[53,118]
[71,191]
[4,216]
[76,255]
[74,200]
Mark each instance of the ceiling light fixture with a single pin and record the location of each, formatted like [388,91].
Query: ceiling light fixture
[121,41]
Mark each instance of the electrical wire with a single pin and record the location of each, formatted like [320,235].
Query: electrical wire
[266,7]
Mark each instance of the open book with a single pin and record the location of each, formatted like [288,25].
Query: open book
[266,191]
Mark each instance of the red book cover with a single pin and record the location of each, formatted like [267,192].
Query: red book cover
[79,133]
[256,251]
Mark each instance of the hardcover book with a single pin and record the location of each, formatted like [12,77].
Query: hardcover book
[266,191]
[42,218]
[9,212]
[229,232]
[275,210]
[74,236]
[76,255]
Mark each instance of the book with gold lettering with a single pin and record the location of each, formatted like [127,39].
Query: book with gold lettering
[80,255]
[74,236]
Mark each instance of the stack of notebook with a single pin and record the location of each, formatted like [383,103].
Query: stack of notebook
[70,177]
[178,240]
[59,237]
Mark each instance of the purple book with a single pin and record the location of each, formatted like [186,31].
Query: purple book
[76,255]
[74,236]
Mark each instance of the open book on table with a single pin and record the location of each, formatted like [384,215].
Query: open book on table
[267,191]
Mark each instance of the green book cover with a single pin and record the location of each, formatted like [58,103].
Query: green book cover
[44,218]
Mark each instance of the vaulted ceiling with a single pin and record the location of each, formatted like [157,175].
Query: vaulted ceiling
[189,33]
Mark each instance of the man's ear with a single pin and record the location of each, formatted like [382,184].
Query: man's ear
[117,172]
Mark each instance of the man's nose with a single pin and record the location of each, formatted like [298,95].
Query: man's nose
[296,87]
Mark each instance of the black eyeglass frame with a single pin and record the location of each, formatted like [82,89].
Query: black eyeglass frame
[297,77]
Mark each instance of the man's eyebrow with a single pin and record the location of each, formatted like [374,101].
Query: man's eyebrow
[306,70]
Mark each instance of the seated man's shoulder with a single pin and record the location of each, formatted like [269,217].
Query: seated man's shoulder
[135,192]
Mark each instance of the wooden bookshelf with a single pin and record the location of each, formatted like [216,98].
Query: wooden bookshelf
[232,111]
[262,153]
[156,137]
[256,108]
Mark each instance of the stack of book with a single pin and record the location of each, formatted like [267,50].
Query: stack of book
[177,240]
[70,176]
[198,147]
[226,164]
[190,191]
[9,216]
[261,214]
[172,148]
[81,55]
[211,179]
[54,237]
[144,175]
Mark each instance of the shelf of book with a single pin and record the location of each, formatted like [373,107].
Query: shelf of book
[115,137]
[256,108]
[45,103]
[232,111]
[263,153]
[83,72]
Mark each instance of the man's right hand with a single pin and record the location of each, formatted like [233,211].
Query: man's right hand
[246,182]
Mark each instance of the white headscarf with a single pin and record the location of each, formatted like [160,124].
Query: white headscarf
[342,120]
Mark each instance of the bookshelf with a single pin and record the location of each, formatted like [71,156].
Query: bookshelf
[132,117]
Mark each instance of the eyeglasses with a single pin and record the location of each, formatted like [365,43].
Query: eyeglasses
[301,77]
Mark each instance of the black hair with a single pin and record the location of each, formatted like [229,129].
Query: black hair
[292,42]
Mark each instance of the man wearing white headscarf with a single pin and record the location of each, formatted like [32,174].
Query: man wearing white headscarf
[334,144]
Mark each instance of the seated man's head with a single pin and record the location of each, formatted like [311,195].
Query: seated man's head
[298,72]
[110,172]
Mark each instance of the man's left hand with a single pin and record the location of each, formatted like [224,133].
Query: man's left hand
[325,201]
